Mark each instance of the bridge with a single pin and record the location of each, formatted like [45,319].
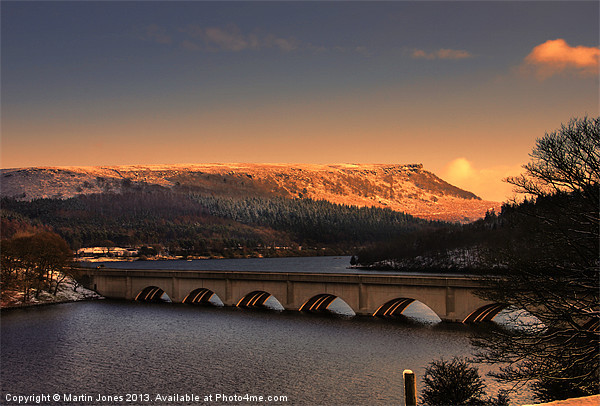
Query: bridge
[452,298]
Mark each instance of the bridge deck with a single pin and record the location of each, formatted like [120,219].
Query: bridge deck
[406,280]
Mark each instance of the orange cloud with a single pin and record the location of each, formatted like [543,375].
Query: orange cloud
[557,56]
[441,54]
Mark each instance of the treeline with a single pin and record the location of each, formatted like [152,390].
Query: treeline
[533,230]
[312,221]
[192,224]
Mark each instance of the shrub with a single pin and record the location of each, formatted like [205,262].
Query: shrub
[456,382]
[451,382]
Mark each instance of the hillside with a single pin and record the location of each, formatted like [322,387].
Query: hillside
[407,188]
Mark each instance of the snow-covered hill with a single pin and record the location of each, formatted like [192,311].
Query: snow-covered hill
[407,188]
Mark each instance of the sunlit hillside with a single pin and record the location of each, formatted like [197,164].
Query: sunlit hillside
[407,188]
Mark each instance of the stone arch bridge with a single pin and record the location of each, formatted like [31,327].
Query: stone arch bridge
[452,298]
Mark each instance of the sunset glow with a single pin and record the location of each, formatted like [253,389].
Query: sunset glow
[464,88]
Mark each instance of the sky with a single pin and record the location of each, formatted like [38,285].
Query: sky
[465,88]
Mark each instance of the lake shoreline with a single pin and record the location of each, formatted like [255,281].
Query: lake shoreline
[9,307]
[69,291]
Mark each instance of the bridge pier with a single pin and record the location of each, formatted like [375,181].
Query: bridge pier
[228,294]
[290,299]
[175,290]
[129,295]
[363,298]
[450,301]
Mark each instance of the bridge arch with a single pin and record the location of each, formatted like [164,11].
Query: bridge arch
[202,296]
[259,299]
[393,307]
[485,313]
[322,303]
[432,307]
[152,294]
[407,307]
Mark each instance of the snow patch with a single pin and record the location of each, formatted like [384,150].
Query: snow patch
[68,291]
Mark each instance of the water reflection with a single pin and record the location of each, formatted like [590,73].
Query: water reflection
[273,304]
[518,319]
[421,313]
[341,308]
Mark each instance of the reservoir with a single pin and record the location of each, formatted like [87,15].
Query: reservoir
[116,348]
[293,264]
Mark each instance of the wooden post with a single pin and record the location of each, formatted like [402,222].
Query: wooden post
[410,388]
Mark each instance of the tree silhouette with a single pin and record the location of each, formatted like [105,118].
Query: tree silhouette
[34,262]
[551,268]
[456,382]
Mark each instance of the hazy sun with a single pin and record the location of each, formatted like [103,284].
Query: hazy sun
[459,170]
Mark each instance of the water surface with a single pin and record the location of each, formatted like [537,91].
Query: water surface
[118,347]
[325,264]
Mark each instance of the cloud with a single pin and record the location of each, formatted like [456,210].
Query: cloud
[231,38]
[441,54]
[190,46]
[485,182]
[284,44]
[557,56]
[158,34]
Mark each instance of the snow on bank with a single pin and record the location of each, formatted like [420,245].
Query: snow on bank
[455,259]
[68,291]
[593,400]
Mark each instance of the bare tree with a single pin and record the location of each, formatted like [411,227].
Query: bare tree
[564,160]
[35,262]
[550,268]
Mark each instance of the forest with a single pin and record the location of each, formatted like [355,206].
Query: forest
[191,224]
[528,230]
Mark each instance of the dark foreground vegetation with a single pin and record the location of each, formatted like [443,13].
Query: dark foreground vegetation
[33,263]
[541,256]
[457,382]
